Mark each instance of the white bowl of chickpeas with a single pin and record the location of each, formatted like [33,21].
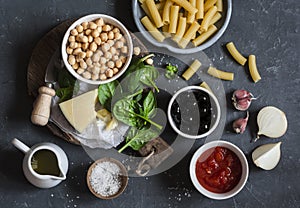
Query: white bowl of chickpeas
[97,49]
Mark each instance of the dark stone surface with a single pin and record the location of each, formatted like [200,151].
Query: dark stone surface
[269,29]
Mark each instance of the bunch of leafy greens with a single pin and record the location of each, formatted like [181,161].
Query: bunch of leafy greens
[171,71]
[141,75]
[68,85]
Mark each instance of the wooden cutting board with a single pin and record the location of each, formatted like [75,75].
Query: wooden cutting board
[39,60]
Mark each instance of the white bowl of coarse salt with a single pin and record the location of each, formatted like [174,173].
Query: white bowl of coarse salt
[107,178]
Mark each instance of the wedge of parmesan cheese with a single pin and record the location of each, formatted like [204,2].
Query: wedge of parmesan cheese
[80,111]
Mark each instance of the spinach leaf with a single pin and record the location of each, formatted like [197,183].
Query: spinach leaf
[149,105]
[68,85]
[136,138]
[105,93]
[148,76]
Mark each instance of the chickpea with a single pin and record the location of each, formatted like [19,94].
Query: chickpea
[74,32]
[77,51]
[115,58]
[89,61]
[123,39]
[110,64]
[90,38]
[87,75]
[79,28]
[149,61]
[103,69]
[96,57]
[102,60]
[83,64]
[123,59]
[105,47]
[95,33]
[71,38]
[95,77]
[84,25]
[99,29]
[118,36]
[99,22]
[88,32]
[96,70]
[69,50]
[73,45]
[111,42]
[85,46]
[92,25]
[89,53]
[81,55]
[109,73]
[78,45]
[89,69]
[80,71]
[71,60]
[97,40]
[116,30]
[119,63]
[75,66]
[136,51]
[102,77]
[84,39]
[103,37]
[124,49]
[93,46]
[106,28]
[115,70]
[111,35]
[119,44]
[113,50]
[108,55]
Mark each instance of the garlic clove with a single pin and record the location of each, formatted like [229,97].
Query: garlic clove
[240,124]
[242,99]
[267,156]
[272,122]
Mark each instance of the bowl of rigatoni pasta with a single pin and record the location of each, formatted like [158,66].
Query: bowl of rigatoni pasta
[182,26]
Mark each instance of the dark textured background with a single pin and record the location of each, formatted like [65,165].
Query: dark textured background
[268,28]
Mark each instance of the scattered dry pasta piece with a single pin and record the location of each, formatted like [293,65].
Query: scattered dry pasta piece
[204,36]
[173,19]
[152,29]
[220,74]
[206,86]
[180,30]
[253,69]
[235,53]
[188,35]
[219,5]
[155,16]
[191,70]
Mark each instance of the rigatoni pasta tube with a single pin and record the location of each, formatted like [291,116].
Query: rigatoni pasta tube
[206,86]
[220,74]
[219,5]
[152,29]
[188,35]
[146,10]
[200,7]
[235,53]
[207,18]
[191,17]
[186,5]
[253,68]
[205,35]
[180,29]
[191,70]
[154,13]
[215,18]
[166,12]
[208,4]
[165,30]
[173,19]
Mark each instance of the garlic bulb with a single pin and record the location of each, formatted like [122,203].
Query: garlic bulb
[271,122]
[267,156]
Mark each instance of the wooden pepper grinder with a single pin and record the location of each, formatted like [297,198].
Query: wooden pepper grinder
[41,108]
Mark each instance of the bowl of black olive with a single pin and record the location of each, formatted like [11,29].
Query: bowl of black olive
[194,112]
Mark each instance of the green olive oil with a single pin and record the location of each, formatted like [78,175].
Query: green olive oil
[45,162]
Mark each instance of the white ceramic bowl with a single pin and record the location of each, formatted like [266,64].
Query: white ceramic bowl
[215,117]
[222,24]
[107,19]
[241,183]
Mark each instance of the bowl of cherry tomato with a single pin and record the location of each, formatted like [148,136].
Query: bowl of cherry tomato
[219,170]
